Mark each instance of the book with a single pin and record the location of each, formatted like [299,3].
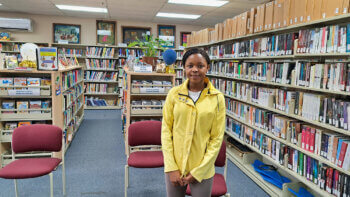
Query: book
[11,62]
[22,105]
[23,123]
[8,105]
[35,105]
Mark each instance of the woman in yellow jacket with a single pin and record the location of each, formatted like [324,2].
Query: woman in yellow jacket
[192,129]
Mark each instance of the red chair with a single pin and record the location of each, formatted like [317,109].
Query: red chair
[144,139]
[219,183]
[37,137]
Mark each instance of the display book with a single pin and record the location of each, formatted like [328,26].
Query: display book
[144,97]
[293,112]
[36,97]
[102,68]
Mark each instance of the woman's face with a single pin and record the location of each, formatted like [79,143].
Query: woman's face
[196,68]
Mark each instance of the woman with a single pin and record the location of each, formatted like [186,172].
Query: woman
[192,129]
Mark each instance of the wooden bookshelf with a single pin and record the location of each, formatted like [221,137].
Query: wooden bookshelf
[320,58]
[132,93]
[55,94]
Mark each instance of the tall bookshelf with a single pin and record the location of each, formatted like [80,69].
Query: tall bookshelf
[56,99]
[258,106]
[102,73]
[144,97]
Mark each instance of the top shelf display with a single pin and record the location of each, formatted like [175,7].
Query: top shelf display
[277,17]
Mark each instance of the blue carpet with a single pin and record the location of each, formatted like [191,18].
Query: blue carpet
[95,167]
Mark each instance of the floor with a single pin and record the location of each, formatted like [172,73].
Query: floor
[95,167]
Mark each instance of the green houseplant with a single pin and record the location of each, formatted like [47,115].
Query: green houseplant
[149,47]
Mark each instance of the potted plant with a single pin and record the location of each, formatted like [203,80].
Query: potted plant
[149,47]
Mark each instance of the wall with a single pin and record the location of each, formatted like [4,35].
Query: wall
[43,28]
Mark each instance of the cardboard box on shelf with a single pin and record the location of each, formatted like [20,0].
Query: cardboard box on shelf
[286,13]
[301,10]
[244,23]
[316,15]
[252,20]
[277,14]
[309,10]
[234,27]
[268,16]
[256,20]
[345,6]
[261,18]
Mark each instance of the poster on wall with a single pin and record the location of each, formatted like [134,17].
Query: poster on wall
[47,58]
[167,33]
[131,34]
[66,33]
[105,32]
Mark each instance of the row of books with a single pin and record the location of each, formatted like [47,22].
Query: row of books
[24,81]
[71,95]
[70,78]
[150,82]
[321,142]
[130,52]
[101,76]
[325,177]
[95,101]
[10,47]
[14,125]
[68,52]
[100,88]
[100,52]
[329,39]
[147,104]
[329,110]
[100,64]
[179,54]
[22,106]
[70,113]
[276,45]
[329,76]
[178,82]
[180,73]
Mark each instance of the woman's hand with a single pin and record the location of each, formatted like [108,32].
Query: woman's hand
[175,178]
[189,179]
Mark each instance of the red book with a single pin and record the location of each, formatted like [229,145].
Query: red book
[303,136]
[329,180]
[344,146]
[312,140]
[307,138]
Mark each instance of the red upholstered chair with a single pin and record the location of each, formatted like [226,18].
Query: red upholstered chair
[219,182]
[144,139]
[37,137]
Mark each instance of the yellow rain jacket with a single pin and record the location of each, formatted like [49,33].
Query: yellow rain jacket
[192,133]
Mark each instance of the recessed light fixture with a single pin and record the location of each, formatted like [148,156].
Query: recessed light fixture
[82,8]
[212,3]
[0,4]
[175,15]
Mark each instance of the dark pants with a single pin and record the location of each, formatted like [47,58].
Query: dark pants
[202,189]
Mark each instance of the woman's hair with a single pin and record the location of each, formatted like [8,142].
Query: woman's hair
[195,51]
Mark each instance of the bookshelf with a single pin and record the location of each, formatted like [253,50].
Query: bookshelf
[50,97]
[144,97]
[253,77]
[102,70]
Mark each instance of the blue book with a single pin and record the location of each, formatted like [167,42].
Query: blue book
[348,37]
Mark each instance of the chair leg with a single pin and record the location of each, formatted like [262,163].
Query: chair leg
[51,184]
[126,179]
[16,189]
[64,179]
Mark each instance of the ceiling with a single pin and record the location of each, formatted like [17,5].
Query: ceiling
[133,10]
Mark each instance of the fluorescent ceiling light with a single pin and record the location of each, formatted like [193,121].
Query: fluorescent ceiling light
[0,4]
[82,8]
[213,3]
[174,15]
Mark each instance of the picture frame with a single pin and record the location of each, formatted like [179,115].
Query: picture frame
[105,32]
[184,38]
[66,33]
[168,34]
[130,33]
